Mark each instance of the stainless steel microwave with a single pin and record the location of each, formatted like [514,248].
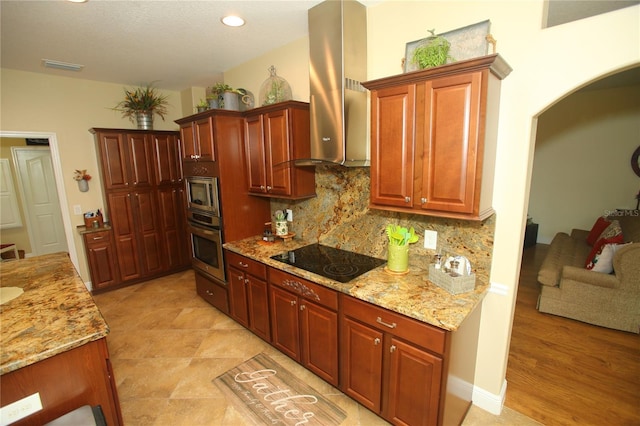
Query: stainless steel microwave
[202,194]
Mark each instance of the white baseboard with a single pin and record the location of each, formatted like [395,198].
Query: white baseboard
[488,401]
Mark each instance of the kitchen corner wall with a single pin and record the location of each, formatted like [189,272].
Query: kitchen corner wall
[340,217]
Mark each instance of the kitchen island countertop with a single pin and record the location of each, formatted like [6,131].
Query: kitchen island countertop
[411,294]
[55,313]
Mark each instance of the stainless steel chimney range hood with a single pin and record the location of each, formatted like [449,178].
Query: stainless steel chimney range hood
[338,102]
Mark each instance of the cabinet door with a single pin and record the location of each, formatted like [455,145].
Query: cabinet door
[140,159]
[166,155]
[212,292]
[187,135]
[152,252]
[101,258]
[414,385]
[392,146]
[258,302]
[113,158]
[238,296]
[451,147]
[121,216]
[362,364]
[255,154]
[284,322]
[319,329]
[171,211]
[204,139]
[277,152]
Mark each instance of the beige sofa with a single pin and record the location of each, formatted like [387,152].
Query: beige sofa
[608,300]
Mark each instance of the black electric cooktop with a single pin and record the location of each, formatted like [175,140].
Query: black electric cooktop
[336,264]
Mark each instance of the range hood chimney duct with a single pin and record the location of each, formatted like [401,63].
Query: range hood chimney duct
[338,102]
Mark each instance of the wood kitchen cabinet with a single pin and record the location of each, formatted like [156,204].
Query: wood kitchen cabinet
[433,137]
[248,294]
[276,135]
[101,257]
[304,323]
[391,364]
[198,140]
[212,291]
[144,200]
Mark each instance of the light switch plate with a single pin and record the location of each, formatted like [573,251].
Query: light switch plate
[289,213]
[77,209]
[430,239]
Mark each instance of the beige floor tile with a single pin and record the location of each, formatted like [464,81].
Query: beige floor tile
[192,412]
[197,381]
[149,378]
[196,318]
[142,412]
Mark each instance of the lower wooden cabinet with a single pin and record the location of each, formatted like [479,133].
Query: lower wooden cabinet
[101,256]
[248,294]
[385,369]
[304,323]
[213,292]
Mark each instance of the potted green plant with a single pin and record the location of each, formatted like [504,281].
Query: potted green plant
[226,96]
[141,104]
[282,227]
[398,250]
[202,106]
[432,53]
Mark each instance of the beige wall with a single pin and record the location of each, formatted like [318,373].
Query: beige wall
[67,107]
[582,158]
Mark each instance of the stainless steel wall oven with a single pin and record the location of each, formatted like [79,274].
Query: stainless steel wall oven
[206,244]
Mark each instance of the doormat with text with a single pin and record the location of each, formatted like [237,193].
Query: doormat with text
[269,394]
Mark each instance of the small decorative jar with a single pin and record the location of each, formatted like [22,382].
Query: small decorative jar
[282,228]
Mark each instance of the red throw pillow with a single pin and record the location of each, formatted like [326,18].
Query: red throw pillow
[618,239]
[600,225]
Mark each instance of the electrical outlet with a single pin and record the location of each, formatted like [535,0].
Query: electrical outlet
[289,213]
[20,409]
[430,239]
[77,209]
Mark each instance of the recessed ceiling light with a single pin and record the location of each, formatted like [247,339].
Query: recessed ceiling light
[48,63]
[78,1]
[233,21]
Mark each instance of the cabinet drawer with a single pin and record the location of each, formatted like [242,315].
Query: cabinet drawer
[411,330]
[213,293]
[99,237]
[247,265]
[314,292]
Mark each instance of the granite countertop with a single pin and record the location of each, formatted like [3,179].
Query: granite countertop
[411,294]
[55,313]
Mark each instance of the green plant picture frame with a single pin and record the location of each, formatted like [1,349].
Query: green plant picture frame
[466,43]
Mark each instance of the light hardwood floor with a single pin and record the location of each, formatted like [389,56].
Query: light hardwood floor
[565,372]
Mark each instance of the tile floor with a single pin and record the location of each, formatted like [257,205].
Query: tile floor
[167,345]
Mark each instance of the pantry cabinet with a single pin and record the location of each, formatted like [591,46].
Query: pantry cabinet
[248,294]
[304,323]
[275,136]
[144,201]
[433,138]
[383,351]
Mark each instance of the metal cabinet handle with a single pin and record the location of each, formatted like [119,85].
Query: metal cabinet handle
[209,292]
[376,341]
[240,277]
[268,188]
[407,199]
[293,303]
[246,281]
[303,307]
[97,238]
[243,265]
[390,325]
[262,187]
[423,200]
[392,348]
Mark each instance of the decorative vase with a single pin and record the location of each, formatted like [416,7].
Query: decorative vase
[282,228]
[83,185]
[398,258]
[144,120]
[274,89]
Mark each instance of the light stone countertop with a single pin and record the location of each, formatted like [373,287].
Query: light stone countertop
[55,313]
[412,294]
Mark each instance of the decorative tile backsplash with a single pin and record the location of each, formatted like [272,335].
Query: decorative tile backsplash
[340,217]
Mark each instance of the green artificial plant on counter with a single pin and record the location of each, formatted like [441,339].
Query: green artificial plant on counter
[400,236]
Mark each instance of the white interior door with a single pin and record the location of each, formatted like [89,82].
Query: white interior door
[40,199]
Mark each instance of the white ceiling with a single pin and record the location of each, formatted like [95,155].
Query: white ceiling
[179,44]
[175,43]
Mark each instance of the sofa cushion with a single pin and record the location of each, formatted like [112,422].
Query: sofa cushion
[603,260]
[597,249]
[601,224]
[610,231]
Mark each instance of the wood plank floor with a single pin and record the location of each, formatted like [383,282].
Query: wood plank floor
[565,372]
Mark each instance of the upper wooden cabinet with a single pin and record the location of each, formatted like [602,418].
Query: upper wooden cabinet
[198,140]
[433,137]
[275,136]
